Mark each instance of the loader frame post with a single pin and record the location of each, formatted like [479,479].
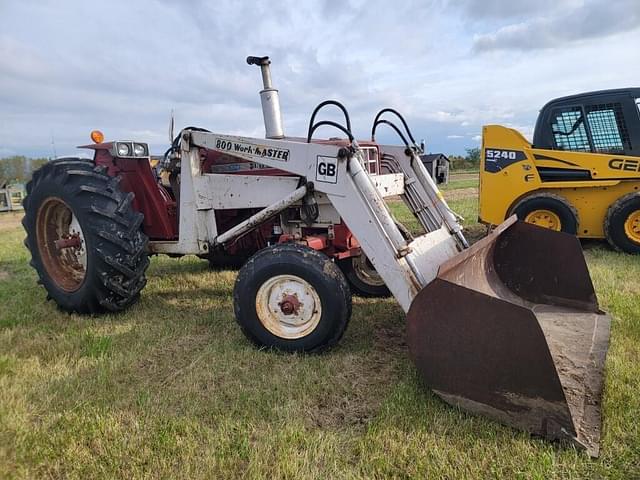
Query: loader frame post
[197,227]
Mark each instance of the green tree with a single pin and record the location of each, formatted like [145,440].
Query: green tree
[457,162]
[473,156]
[19,168]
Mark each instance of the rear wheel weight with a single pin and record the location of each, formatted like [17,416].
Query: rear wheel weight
[622,224]
[84,237]
[292,298]
[548,210]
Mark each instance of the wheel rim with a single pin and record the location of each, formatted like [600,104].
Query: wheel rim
[366,272]
[632,226]
[61,244]
[545,219]
[288,306]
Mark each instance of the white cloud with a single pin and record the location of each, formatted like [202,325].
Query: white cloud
[450,67]
[563,24]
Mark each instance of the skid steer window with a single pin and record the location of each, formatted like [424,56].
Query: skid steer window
[569,131]
[608,129]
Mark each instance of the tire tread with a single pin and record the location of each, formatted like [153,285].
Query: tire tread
[120,254]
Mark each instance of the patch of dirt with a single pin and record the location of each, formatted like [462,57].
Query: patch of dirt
[361,384]
[167,362]
[4,275]
[355,396]
[10,220]
[457,194]
[462,176]
[473,233]
[461,193]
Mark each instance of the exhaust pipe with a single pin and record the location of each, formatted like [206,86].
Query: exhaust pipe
[270,100]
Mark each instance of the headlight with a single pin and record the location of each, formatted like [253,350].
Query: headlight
[140,150]
[124,150]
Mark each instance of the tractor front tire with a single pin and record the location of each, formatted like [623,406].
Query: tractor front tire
[85,238]
[622,224]
[292,298]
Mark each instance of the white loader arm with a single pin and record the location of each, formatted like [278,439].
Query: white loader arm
[406,267]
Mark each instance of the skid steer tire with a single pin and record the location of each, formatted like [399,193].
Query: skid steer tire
[555,212]
[292,298]
[622,224]
[363,278]
[101,267]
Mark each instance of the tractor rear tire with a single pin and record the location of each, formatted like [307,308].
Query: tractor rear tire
[553,211]
[292,298]
[363,278]
[84,237]
[622,224]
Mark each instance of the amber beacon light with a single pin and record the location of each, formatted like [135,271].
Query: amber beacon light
[97,136]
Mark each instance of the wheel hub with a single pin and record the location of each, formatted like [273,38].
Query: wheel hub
[366,272]
[61,244]
[288,306]
[545,219]
[632,226]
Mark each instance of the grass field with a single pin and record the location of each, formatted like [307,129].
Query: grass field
[171,388]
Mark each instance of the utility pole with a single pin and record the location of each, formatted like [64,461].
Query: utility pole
[53,146]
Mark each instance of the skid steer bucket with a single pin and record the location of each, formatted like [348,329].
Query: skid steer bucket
[511,329]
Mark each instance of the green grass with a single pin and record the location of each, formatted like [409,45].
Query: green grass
[455,184]
[172,389]
[464,203]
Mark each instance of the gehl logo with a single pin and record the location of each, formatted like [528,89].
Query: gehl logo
[624,165]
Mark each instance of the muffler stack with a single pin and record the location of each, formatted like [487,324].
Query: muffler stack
[510,328]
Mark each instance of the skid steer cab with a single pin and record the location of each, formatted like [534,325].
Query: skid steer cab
[511,336]
[581,175]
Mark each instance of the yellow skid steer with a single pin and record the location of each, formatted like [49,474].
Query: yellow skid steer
[581,174]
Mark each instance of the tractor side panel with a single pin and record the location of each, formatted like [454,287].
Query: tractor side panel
[159,209]
[507,172]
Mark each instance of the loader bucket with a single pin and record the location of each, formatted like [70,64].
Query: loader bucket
[511,329]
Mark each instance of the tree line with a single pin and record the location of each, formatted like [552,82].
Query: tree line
[18,169]
[471,161]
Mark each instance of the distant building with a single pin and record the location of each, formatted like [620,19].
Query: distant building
[11,196]
[437,165]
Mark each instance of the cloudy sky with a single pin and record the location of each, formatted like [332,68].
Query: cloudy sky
[67,67]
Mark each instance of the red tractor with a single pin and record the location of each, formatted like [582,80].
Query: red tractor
[159,201]
[496,328]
